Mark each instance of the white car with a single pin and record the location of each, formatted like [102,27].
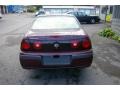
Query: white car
[0,15]
[39,13]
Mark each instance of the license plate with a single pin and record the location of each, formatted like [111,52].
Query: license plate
[61,60]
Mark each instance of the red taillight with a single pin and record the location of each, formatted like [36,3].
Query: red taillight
[37,45]
[25,45]
[86,44]
[74,44]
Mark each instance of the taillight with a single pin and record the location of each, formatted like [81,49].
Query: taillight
[86,44]
[74,44]
[37,45]
[25,45]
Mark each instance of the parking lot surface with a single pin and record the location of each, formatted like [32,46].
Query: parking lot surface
[105,68]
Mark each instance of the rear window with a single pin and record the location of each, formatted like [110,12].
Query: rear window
[56,22]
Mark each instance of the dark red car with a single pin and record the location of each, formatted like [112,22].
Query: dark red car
[56,41]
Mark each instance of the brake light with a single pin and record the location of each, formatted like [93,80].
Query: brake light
[25,45]
[37,45]
[86,44]
[74,44]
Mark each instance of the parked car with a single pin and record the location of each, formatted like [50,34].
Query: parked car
[39,13]
[56,41]
[82,17]
[0,15]
[19,11]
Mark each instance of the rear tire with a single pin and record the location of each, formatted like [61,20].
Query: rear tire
[92,21]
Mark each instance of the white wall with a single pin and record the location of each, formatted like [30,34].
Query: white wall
[102,16]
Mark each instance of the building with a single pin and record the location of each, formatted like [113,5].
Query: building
[3,9]
[89,10]
[116,18]
[15,8]
[104,11]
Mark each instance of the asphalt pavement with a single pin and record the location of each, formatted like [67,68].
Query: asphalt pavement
[105,68]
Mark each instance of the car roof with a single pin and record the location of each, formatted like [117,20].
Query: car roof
[55,15]
[59,15]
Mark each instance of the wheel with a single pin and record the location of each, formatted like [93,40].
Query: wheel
[92,21]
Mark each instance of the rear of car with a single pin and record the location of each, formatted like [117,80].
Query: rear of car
[96,18]
[56,41]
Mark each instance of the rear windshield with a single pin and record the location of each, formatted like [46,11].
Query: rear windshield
[56,22]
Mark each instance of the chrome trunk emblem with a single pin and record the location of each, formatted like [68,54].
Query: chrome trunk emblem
[56,45]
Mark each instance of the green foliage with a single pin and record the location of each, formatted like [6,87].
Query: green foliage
[31,9]
[38,7]
[119,39]
[115,37]
[107,32]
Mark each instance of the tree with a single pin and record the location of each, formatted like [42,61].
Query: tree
[38,7]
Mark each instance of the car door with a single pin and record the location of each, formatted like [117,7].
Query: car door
[82,17]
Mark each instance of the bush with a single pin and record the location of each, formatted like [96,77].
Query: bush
[107,32]
[31,9]
[115,37]
[119,39]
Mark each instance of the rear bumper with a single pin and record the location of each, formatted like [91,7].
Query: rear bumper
[34,60]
